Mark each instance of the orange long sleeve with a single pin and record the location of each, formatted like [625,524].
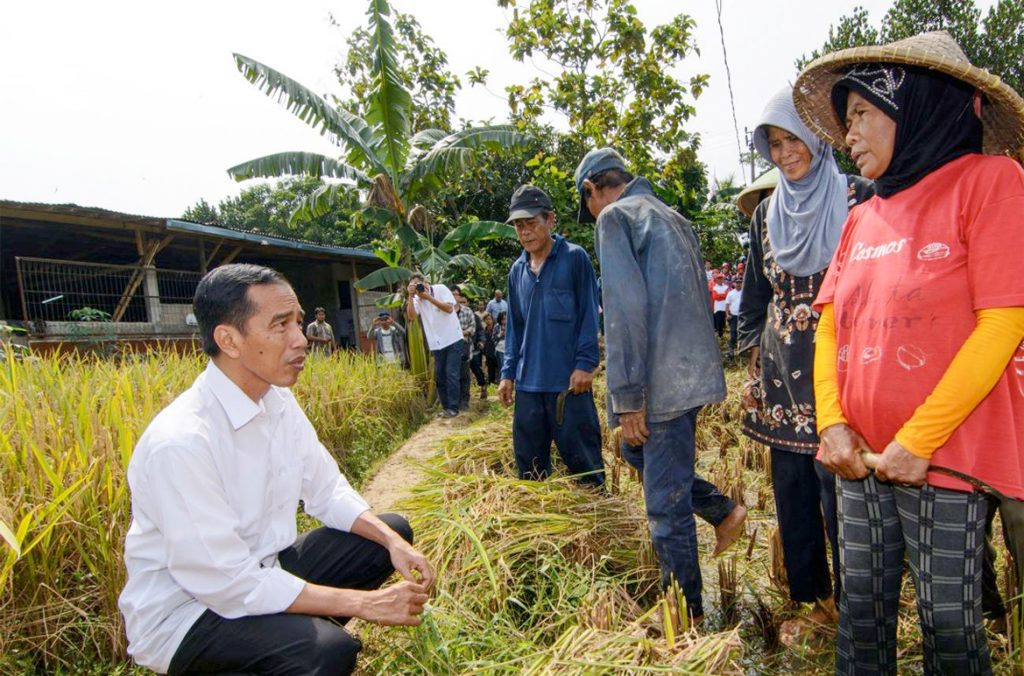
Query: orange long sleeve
[826,378]
[971,375]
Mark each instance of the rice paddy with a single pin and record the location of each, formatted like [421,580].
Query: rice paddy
[534,577]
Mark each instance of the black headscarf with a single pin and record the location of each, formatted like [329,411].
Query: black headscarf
[934,115]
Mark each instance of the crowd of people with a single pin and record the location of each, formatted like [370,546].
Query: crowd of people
[882,329]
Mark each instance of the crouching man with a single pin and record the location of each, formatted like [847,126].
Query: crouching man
[218,580]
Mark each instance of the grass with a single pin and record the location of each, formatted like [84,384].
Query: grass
[554,578]
[534,577]
[69,427]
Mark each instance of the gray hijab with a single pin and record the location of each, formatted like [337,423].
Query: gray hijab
[805,218]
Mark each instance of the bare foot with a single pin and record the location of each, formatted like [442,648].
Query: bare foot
[730,530]
[797,629]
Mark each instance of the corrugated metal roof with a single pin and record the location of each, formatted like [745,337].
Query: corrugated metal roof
[179,225]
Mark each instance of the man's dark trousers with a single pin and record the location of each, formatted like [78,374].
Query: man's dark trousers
[447,364]
[534,427]
[292,644]
[668,471]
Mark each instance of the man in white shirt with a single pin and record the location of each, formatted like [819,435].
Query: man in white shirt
[435,305]
[218,580]
[732,310]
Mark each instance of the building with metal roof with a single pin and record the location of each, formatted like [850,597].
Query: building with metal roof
[62,265]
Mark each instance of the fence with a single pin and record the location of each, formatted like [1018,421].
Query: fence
[61,291]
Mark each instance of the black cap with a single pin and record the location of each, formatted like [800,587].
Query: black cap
[527,202]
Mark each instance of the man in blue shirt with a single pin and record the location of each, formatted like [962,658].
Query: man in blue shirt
[497,305]
[550,346]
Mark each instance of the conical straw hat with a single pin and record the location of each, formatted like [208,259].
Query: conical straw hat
[749,198]
[1002,114]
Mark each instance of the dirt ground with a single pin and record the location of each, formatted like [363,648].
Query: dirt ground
[403,469]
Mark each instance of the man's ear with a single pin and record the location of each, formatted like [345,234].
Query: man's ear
[228,339]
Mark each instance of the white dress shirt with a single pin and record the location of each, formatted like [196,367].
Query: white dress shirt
[215,482]
[441,329]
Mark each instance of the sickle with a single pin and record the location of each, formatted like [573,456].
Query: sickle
[871,462]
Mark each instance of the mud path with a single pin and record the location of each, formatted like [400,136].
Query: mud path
[402,470]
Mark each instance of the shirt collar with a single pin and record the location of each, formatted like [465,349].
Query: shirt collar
[239,408]
[559,243]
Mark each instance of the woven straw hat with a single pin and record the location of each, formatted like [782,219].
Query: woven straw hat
[1002,115]
[750,197]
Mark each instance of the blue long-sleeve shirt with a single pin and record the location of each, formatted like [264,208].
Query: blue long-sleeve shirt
[552,319]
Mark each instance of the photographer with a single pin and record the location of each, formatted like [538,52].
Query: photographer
[389,339]
[435,305]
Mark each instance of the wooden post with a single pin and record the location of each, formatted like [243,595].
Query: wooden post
[138,275]
[21,289]
[202,257]
[234,254]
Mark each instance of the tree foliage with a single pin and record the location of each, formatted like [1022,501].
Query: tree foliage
[614,84]
[994,41]
[422,68]
[266,208]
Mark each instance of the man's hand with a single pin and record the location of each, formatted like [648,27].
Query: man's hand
[900,466]
[505,390]
[413,292]
[841,447]
[399,604]
[634,427]
[581,381]
[406,559]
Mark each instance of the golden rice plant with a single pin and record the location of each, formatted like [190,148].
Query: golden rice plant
[69,427]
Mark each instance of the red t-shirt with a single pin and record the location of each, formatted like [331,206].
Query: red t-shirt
[909,273]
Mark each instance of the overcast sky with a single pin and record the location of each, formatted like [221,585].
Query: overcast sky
[137,106]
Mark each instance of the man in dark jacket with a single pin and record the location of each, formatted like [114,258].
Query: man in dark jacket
[663,362]
[551,346]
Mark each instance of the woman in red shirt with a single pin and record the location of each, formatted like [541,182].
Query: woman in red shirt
[920,322]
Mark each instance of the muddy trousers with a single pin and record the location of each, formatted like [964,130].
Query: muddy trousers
[666,463]
[290,644]
[942,534]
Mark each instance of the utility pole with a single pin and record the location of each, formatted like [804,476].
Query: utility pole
[749,136]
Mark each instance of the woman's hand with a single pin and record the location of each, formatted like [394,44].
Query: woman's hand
[841,446]
[900,466]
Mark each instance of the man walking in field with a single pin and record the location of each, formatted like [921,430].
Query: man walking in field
[551,346]
[662,359]
[218,580]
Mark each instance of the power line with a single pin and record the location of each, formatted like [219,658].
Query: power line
[728,79]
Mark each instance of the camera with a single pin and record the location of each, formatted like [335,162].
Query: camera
[420,288]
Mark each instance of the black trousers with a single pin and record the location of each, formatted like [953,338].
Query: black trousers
[286,643]
[578,438]
[805,502]
[734,322]
[476,366]
[720,322]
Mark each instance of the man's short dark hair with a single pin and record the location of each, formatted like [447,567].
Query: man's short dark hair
[611,178]
[318,311]
[222,297]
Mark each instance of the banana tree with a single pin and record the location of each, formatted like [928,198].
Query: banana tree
[380,155]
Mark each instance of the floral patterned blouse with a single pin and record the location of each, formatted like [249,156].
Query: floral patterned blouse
[775,313]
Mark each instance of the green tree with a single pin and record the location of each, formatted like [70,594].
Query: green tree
[614,83]
[202,212]
[398,169]
[995,41]
[422,70]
